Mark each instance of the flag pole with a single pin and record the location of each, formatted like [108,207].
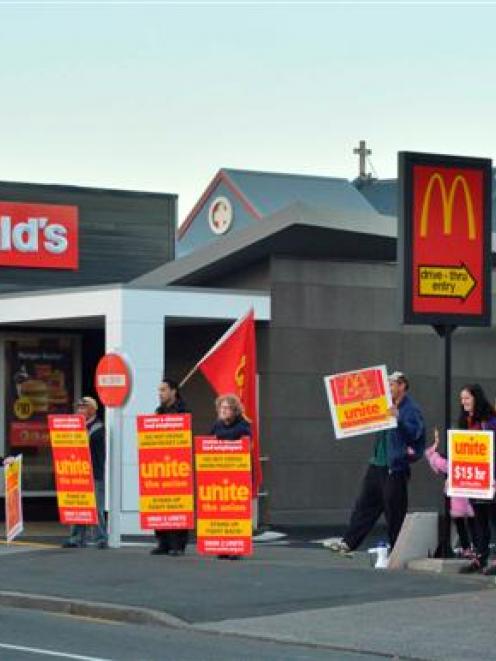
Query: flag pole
[189,375]
[229,331]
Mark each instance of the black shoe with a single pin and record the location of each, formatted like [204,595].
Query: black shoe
[176,552]
[71,545]
[158,550]
[491,570]
[102,545]
[475,567]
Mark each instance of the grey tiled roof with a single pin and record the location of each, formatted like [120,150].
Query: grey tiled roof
[269,192]
[382,194]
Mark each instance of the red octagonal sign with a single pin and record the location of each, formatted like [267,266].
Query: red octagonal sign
[112,380]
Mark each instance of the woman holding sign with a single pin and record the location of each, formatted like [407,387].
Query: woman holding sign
[477,413]
[230,425]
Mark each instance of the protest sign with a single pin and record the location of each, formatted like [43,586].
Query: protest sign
[165,471]
[14,523]
[224,493]
[73,469]
[470,463]
[359,401]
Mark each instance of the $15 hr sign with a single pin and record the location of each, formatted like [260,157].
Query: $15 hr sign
[471,463]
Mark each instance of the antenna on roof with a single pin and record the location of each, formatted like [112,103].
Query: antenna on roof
[363,152]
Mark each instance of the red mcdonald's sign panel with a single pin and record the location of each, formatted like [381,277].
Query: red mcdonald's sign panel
[444,239]
[38,235]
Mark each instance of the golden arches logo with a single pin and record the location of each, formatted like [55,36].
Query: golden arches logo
[448,200]
[355,386]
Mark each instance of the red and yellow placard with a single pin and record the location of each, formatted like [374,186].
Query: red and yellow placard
[165,471]
[470,463]
[14,524]
[223,496]
[359,401]
[73,470]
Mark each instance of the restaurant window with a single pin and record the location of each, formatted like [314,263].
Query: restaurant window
[40,379]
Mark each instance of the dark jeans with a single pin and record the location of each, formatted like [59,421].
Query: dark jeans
[172,540]
[485,512]
[466,531]
[382,493]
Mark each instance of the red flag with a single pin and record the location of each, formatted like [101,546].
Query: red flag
[231,367]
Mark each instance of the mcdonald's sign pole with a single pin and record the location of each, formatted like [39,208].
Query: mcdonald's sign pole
[444,252]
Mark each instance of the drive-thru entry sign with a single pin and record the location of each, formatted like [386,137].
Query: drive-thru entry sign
[444,253]
[445,239]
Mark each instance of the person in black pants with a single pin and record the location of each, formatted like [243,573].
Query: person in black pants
[170,542]
[385,486]
[477,413]
[88,408]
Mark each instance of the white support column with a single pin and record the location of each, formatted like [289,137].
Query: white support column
[136,330]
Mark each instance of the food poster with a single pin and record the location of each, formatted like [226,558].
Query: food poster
[39,380]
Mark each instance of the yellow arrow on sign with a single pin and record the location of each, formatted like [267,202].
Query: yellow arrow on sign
[446,281]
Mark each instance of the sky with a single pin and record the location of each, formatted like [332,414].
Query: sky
[158,96]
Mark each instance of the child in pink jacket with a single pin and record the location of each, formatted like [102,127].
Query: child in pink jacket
[460,508]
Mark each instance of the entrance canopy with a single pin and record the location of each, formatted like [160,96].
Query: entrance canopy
[134,321]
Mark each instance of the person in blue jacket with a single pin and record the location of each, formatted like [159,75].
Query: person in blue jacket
[385,486]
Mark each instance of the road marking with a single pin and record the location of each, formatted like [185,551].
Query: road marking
[42,545]
[89,618]
[60,655]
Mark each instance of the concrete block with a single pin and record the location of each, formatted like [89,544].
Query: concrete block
[418,538]
[437,565]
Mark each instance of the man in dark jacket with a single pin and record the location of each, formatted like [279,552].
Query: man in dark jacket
[385,486]
[88,407]
[170,542]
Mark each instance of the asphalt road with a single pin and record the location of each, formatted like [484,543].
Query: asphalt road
[33,636]
[195,589]
[286,602]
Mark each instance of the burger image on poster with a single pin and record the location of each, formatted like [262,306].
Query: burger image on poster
[36,391]
[57,392]
[220,215]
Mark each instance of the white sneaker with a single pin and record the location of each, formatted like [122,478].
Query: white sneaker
[340,546]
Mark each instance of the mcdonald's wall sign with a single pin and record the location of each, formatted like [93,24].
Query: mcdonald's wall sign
[444,239]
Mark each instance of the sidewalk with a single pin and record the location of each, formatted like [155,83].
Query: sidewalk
[284,592]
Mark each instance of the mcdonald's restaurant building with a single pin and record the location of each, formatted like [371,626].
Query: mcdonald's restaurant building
[84,271]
